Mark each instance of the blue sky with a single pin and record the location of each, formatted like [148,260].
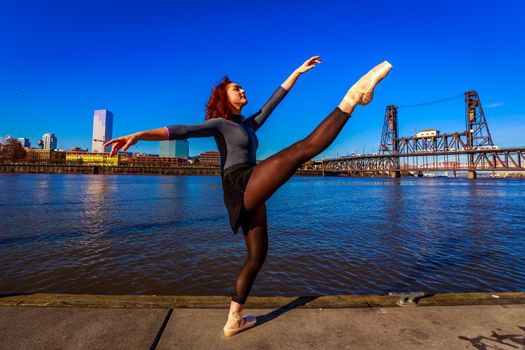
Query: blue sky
[154,63]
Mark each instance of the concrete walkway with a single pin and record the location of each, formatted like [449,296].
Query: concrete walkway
[44,321]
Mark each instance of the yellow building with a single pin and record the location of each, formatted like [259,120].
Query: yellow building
[99,159]
[89,158]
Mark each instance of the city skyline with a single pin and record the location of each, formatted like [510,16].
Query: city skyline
[161,60]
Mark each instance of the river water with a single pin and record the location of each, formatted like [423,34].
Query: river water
[127,234]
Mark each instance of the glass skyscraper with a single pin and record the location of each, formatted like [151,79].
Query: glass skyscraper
[175,149]
[102,130]
[50,141]
[24,141]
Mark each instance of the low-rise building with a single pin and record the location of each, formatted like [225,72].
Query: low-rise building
[210,158]
[79,149]
[142,160]
[47,156]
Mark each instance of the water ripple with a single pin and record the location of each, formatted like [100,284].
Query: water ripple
[327,236]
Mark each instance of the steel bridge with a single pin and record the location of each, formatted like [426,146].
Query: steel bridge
[471,151]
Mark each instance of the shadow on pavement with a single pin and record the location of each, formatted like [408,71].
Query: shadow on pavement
[301,301]
[484,343]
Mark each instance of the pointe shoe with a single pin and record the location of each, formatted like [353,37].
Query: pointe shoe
[245,322]
[363,90]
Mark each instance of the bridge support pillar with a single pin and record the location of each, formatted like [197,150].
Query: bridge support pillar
[395,174]
[471,174]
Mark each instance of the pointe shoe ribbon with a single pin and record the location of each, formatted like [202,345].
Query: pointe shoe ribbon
[245,322]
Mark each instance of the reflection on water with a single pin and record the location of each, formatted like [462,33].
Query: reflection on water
[170,235]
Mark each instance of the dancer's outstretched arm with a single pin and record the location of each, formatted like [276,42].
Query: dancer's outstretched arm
[260,117]
[127,141]
[173,132]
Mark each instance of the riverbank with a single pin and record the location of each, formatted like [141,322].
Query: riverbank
[21,168]
[442,321]
[122,170]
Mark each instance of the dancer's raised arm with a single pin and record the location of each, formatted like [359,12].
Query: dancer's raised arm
[263,114]
[305,67]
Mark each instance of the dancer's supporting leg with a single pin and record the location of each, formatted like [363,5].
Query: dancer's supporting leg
[273,172]
[256,239]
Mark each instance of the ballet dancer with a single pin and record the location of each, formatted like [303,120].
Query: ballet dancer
[248,185]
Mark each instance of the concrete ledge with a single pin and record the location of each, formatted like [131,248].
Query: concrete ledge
[220,302]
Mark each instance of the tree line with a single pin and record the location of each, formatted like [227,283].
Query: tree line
[11,151]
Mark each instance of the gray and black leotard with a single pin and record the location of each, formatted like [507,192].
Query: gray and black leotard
[235,138]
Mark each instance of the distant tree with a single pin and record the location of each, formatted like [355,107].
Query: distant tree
[308,165]
[12,151]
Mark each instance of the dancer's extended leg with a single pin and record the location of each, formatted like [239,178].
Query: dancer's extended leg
[273,172]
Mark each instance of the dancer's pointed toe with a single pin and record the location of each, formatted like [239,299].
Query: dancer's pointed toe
[243,322]
[362,92]
[374,76]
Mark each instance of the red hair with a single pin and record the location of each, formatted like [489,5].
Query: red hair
[219,105]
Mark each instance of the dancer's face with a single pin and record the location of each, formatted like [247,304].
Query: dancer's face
[236,95]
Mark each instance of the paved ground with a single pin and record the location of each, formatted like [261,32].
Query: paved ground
[285,327]
[78,328]
[435,327]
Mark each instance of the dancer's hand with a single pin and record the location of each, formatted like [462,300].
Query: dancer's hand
[305,67]
[123,142]
[309,64]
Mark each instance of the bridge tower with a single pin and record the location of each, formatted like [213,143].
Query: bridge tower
[478,134]
[389,143]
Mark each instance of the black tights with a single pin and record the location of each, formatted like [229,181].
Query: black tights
[265,179]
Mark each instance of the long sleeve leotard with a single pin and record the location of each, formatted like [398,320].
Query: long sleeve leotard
[235,138]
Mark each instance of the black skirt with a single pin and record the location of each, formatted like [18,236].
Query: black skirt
[234,181]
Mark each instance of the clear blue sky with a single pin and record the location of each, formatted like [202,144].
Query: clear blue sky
[153,63]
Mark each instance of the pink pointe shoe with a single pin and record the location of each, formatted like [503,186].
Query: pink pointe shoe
[363,90]
[244,322]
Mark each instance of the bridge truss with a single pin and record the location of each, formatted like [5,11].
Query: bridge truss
[471,151]
[506,159]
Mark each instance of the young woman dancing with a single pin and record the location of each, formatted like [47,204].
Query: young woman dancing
[247,185]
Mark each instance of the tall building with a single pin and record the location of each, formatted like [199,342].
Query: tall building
[50,141]
[102,130]
[175,149]
[24,141]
